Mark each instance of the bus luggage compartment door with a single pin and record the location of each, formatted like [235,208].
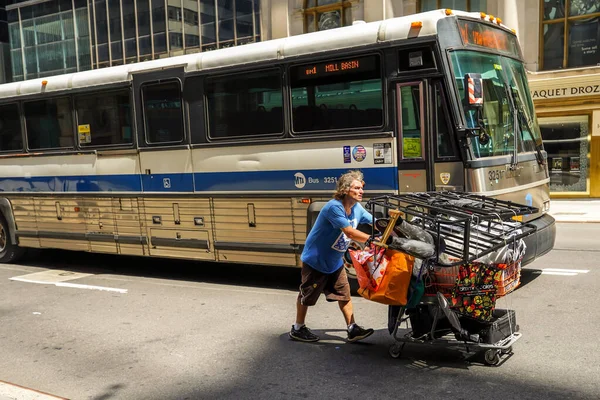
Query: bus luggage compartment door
[179,243]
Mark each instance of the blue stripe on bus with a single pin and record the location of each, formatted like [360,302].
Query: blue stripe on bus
[383,178]
[378,178]
[168,183]
[81,183]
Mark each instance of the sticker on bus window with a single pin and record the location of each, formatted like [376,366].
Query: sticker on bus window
[382,153]
[411,147]
[84,133]
[498,67]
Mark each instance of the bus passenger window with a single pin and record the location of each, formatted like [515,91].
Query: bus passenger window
[49,124]
[338,94]
[104,119]
[247,104]
[10,128]
[163,115]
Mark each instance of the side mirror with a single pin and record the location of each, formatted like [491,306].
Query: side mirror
[473,90]
[474,101]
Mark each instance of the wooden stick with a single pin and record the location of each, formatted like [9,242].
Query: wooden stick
[394,215]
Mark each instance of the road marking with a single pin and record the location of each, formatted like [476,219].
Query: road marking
[58,277]
[564,272]
[71,285]
[8,390]
[54,275]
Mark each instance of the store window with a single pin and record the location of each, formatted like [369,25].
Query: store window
[567,144]
[320,15]
[571,35]
[464,5]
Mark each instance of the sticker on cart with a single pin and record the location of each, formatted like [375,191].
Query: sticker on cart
[359,153]
[347,155]
[382,153]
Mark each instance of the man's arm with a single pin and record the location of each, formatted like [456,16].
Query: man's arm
[355,234]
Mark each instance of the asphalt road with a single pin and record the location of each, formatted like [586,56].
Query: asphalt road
[165,329]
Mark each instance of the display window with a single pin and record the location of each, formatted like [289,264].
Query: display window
[566,140]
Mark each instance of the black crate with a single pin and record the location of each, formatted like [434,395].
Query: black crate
[502,325]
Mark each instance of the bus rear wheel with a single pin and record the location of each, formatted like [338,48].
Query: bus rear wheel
[9,253]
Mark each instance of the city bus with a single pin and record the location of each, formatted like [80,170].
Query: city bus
[229,155]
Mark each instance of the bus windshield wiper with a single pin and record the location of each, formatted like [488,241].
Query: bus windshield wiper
[526,122]
[513,106]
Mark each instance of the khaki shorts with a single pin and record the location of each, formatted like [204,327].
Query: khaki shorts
[335,286]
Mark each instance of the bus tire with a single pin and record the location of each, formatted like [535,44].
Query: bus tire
[9,252]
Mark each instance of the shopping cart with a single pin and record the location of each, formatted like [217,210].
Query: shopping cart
[467,229]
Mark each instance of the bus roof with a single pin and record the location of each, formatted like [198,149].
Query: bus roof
[361,34]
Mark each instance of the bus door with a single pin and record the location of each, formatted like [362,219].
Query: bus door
[448,168]
[414,162]
[428,159]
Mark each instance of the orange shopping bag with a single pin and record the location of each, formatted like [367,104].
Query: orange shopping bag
[393,288]
[370,265]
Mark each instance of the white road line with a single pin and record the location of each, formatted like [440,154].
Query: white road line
[71,285]
[577,271]
[559,273]
[10,391]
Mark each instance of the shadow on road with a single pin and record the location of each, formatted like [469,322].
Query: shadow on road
[165,268]
[291,370]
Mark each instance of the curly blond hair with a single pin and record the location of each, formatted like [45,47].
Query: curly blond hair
[345,181]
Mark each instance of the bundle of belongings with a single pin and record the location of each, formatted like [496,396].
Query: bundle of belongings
[384,274]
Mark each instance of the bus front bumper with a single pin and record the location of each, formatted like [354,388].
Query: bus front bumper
[542,241]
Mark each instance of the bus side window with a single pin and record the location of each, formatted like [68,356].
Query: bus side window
[445,144]
[247,104]
[49,123]
[10,128]
[337,94]
[104,119]
[163,115]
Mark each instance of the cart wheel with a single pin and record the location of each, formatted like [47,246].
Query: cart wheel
[507,351]
[395,350]
[492,357]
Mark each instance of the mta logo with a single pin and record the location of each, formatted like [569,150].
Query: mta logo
[299,180]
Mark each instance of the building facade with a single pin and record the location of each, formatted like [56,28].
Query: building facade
[49,37]
[559,38]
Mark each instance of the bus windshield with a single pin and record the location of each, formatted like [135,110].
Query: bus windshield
[508,115]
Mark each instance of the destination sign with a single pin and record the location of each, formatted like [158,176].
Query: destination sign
[338,67]
[479,34]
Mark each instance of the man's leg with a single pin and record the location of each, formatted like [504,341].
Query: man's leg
[301,311]
[310,289]
[340,290]
[347,310]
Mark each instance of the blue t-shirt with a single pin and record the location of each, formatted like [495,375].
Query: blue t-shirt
[326,243]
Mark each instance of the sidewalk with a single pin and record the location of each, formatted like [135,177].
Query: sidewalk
[575,210]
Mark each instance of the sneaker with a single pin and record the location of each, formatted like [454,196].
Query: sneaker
[303,335]
[358,333]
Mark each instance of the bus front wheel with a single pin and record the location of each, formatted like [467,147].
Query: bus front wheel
[9,252]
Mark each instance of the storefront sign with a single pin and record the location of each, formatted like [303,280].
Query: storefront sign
[565,87]
[565,92]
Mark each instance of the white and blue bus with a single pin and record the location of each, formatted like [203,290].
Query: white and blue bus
[228,155]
